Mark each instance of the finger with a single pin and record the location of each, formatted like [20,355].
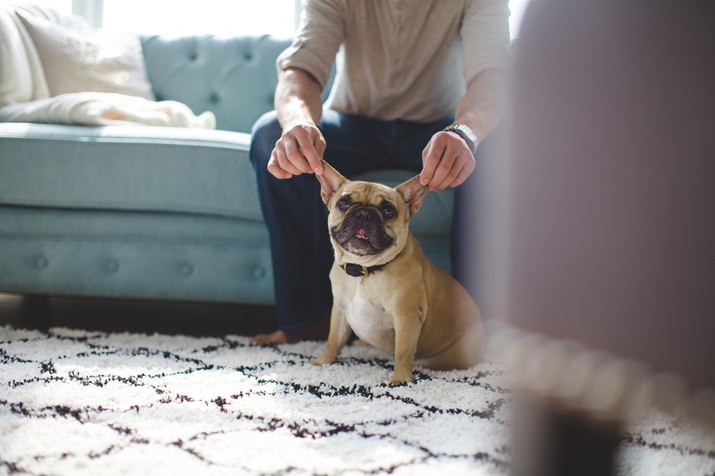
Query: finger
[284,163]
[431,157]
[464,174]
[320,146]
[463,166]
[452,175]
[309,145]
[443,169]
[275,170]
[295,156]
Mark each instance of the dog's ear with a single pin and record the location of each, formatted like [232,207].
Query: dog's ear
[330,182]
[413,192]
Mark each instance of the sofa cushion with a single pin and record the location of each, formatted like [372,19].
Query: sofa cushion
[152,169]
[127,168]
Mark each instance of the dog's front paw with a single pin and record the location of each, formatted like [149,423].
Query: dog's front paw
[400,378]
[322,360]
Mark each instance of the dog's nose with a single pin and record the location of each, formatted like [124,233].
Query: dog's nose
[364,213]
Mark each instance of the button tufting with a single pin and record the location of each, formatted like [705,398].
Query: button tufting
[193,56]
[112,265]
[41,262]
[248,56]
[213,97]
[186,269]
[259,272]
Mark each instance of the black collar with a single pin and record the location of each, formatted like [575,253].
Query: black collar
[358,270]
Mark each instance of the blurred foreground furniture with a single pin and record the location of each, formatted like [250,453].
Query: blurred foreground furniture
[610,283]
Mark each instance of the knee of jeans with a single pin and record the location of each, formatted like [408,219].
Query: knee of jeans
[264,134]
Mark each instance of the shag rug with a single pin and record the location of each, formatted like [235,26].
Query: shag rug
[75,402]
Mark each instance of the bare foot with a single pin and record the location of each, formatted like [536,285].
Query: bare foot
[319,331]
[277,337]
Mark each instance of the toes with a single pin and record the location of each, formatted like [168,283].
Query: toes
[277,337]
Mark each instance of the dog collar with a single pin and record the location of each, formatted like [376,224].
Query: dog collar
[358,270]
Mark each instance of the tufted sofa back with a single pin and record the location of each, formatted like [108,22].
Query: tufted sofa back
[234,77]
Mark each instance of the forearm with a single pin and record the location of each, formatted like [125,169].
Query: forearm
[482,106]
[298,98]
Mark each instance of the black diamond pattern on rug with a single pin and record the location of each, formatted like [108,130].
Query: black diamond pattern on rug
[75,402]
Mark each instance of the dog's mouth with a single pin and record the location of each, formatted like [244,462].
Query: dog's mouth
[362,234]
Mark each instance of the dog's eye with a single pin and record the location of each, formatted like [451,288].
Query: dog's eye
[388,211]
[344,203]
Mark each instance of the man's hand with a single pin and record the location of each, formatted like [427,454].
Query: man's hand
[298,151]
[446,161]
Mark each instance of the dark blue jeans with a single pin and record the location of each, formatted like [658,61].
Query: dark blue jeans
[297,218]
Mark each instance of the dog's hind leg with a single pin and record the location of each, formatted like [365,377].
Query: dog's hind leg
[463,353]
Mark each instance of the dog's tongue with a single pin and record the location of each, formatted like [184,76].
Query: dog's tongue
[361,233]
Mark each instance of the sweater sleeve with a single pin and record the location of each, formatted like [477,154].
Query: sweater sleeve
[319,36]
[485,37]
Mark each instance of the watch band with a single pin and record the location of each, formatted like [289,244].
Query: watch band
[466,133]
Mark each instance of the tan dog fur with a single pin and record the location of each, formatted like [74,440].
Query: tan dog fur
[408,307]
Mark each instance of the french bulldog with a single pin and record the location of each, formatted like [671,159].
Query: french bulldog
[385,289]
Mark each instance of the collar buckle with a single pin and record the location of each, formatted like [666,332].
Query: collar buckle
[358,270]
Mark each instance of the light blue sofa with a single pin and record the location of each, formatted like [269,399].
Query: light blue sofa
[158,213]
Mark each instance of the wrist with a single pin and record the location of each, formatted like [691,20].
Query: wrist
[295,112]
[466,134]
[302,124]
[292,123]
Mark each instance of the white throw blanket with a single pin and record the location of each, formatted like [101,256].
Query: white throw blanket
[106,109]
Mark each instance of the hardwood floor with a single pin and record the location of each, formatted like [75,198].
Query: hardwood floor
[112,315]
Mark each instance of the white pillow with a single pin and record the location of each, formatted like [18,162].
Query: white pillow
[77,62]
[15,74]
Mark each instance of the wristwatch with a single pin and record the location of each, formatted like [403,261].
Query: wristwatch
[463,131]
